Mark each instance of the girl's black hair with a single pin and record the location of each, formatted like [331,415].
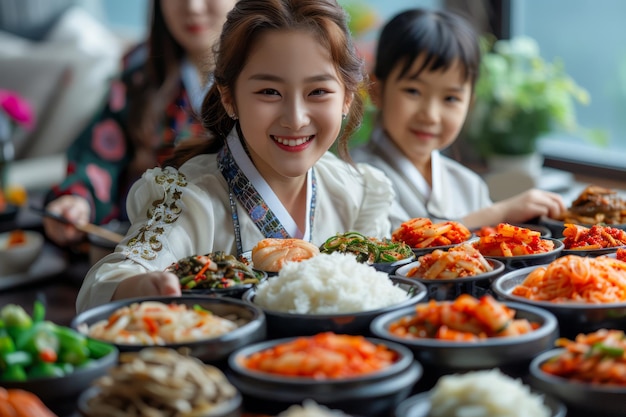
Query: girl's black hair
[442,36]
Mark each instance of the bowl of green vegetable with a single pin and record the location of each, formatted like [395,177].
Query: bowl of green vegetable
[383,254]
[54,362]
[216,273]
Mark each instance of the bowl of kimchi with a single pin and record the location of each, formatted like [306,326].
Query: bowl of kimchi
[424,236]
[584,293]
[209,327]
[585,372]
[595,240]
[518,247]
[469,333]
[355,374]
[449,273]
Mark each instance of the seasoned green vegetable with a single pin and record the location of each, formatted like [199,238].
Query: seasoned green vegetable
[213,270]
[367,249]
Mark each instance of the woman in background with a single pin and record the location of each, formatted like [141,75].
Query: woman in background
[427,63]
[150,109]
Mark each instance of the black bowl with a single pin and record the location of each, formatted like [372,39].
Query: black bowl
[591,252]
[574,318]
[511,354]
[230,408]
[581,398]
[419,406]
[282,324]
[391,267]
[9,214]
[60,393]
[210,350]
[236,291]
[423,251]
[544,230]
[371,395]
[557,226]
[450,289]
[512,263]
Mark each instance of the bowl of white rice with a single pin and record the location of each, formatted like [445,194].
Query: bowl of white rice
[488,393]
[330,292]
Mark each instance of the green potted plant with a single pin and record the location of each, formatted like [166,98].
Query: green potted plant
[518,98]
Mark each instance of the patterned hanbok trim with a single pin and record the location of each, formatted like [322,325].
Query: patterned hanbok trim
[241,188]
[146,243]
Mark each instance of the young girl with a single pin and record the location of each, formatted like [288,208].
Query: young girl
[286,76]
[149,109]
[426,66]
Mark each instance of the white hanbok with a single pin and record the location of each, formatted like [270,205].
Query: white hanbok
[456,190]
[178,213]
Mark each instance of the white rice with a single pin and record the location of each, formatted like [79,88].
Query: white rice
[310,408]
[487,393]
[328,284]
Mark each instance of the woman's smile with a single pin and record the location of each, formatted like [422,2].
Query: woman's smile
[293,143]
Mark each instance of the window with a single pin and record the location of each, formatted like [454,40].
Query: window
[590,38]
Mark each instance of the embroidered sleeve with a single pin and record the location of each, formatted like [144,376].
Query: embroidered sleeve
[160,214]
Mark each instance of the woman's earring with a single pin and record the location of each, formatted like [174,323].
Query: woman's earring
[343,116]
[234,116]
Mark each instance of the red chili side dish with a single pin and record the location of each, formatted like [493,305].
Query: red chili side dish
[465,319]
[322,356]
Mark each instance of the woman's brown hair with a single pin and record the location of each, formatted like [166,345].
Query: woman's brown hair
[151,92]
[325,19]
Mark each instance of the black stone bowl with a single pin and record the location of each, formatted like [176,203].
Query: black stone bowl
[230,408]
[450,289]
[573,318]
[512,263]
[441,357]
[373,395]
[282,324]
[581,398]
[60,393]
[419,406]
[557,226]
[391,267]
[423,251]
[211,350]
[236,291]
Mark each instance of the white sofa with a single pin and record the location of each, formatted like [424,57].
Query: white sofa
[64,76]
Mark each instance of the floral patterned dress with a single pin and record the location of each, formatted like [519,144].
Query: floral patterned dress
[98,159]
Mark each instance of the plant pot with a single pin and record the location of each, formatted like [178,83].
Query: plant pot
[528,163]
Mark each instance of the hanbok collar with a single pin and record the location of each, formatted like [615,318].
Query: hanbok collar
[195,90]
[393,154]
[257,197]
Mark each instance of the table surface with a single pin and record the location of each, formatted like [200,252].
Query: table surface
[59,290]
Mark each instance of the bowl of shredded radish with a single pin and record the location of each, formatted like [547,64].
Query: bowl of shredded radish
[584,293]
[211,327]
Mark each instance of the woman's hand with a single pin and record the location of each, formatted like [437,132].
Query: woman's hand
[76,210]
[148,284]
[530,204]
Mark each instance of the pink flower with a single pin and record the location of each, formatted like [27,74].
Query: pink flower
[17,108]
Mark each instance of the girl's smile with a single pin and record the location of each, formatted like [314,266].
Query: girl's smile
[293,144]
[289,99]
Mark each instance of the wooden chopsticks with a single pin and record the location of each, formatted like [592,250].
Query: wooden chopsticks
[88,228]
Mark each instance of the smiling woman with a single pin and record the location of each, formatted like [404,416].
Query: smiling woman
[285,74]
